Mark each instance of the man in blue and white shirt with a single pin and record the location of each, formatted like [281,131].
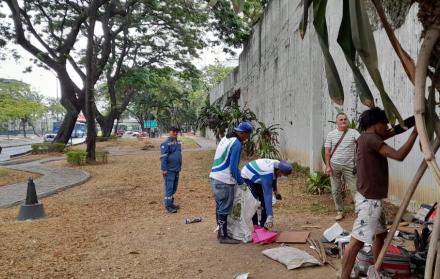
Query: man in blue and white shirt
[225,174]
[261,177]
[171,164]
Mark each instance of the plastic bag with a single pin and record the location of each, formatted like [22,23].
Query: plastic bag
[291,257]
[240,224]
[261,235]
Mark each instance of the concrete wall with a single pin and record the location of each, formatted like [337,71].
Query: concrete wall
[282,79]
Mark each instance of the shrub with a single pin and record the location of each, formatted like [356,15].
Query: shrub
[264,142]
[297,168]
[318,183]
[101,156]
[76,157]
[79,157]
[38,148]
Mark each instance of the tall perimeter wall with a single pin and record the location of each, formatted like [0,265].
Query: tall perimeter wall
[281,78]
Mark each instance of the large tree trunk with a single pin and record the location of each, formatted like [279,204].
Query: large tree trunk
[24,127]
[72,104]
[106,123]
[116,126]
[90,83]
[67,127]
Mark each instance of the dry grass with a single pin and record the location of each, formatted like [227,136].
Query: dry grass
[8,176]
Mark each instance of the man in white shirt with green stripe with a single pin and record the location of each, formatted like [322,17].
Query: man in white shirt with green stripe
[339,160]
[225,174]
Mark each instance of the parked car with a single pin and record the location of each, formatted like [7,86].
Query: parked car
[49,137]
[135,134]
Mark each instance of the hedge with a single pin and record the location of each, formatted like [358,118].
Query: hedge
[38,148]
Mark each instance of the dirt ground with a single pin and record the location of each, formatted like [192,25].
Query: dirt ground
[8,176]
[114,226]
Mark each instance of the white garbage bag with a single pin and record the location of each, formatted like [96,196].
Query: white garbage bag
[240,224]
[291,257]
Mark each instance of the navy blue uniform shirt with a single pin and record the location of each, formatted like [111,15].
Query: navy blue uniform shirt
[171,155]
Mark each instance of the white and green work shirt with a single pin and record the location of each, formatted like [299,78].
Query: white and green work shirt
[226,159]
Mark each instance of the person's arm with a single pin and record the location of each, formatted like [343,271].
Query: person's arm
[266,184]
[164,158]
[275,190]
[400,154]
[396,130]
[328,149]
[235,161]
[328,168]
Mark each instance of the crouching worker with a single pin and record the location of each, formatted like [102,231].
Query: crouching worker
[260,177]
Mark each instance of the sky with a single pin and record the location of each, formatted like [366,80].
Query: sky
[46,83]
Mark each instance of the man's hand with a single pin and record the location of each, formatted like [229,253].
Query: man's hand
[328,171]
[164,173]
[269,222]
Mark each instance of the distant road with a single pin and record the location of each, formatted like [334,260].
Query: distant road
[7,152]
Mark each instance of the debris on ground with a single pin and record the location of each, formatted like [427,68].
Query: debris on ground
[242,276]
[261,235]
[333,232]
[291,257]
[193,220]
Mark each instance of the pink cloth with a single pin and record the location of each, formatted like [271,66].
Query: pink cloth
[261,235]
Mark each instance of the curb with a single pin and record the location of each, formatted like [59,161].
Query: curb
[54,191]
[20,154]
[49,193]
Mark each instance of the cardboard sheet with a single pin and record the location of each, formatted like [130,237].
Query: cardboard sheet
[292,237]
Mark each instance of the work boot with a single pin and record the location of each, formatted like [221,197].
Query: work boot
[223,229]
[170,209]
[175,206]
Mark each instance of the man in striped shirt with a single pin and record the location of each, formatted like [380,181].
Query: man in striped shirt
[339,160]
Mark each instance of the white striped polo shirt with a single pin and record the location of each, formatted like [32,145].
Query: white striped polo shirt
[345,153]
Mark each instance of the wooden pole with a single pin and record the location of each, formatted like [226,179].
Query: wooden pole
[423,58]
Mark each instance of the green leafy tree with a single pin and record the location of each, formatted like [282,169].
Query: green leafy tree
[214,74]
[19,102]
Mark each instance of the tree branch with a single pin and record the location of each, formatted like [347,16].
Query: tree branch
[26,44]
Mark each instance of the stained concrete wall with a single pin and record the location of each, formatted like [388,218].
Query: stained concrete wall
[282,79]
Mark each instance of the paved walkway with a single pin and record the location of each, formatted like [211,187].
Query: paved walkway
[204,143]
[12,141]
[54,180]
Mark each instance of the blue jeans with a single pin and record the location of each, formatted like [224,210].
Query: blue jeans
[224,196]
[170,187]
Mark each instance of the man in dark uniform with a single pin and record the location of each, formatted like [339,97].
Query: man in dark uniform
[171,163]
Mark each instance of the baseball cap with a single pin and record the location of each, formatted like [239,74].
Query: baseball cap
[244,127]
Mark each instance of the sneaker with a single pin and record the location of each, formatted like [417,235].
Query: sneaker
[340,216]
[171,209]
